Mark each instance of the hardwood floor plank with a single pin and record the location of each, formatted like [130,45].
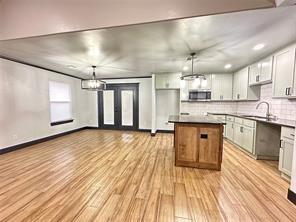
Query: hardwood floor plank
[98,175]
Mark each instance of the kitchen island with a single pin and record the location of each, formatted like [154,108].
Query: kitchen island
[198,141]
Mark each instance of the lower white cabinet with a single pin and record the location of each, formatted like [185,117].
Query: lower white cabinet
[286,150]
[229,131]
[248,139]
[244,137]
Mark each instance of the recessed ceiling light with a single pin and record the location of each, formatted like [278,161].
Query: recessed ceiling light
[258,46]
[227,66]
[71,66]
[185,68]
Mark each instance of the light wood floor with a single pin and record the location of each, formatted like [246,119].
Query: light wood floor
[97,175]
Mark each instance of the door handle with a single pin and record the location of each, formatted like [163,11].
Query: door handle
[281,143]
[286,93]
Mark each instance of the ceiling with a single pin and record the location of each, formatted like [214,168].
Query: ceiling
[140,50]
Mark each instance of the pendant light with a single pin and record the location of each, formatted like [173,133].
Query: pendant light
[193,76]
[94,83]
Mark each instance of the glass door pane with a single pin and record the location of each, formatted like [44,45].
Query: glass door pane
[127,107]
[108,100]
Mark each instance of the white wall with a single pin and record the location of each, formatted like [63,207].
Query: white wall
[145,99]
[24,104]
[167,103]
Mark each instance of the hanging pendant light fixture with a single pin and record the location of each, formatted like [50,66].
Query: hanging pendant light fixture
[94,83]
[193,76]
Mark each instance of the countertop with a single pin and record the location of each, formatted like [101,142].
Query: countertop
[194,119]
[280,122]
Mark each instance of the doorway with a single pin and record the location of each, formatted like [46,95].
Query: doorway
[119,107]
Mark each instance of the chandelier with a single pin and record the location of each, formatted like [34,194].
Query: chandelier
[94,83]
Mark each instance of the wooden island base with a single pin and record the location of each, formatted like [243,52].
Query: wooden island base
[199,145]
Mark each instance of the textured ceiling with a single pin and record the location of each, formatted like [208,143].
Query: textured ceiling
[140,50]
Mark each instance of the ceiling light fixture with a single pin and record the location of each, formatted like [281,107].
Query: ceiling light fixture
[94,83]
[193,75]
[185,68]
[227,66]
[258,46]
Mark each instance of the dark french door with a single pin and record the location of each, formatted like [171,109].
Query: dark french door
[119,106]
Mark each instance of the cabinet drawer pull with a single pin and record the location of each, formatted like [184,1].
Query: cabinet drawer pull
[292,134]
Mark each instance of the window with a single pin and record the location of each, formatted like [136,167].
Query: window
[60,103]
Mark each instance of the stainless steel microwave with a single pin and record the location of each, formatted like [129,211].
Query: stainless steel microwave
[200,95]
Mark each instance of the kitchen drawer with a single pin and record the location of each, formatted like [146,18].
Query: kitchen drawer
[249,123]
[288,132]
[230,118]
[238,120]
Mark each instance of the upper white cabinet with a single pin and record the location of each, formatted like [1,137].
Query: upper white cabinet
[201,84]
[241,88]
[283,73]
[222,86]
[261,72]
[167,81]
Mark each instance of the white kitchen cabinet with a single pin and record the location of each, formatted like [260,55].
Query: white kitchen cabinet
[241,88]
[266,70]
[283,73]
[201,84]
[244,137]
[248,139]
[254,73]
[286,154]
[222,86]
[167,81]
[286,150]
[229,132]
[261,72]
[184,90]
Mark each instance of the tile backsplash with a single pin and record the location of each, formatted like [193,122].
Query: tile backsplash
[282,108]
[201,108]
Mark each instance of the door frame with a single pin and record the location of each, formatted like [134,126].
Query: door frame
[118,87]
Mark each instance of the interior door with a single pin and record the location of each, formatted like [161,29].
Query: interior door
[119,107]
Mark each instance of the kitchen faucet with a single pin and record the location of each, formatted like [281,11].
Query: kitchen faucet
[268,114]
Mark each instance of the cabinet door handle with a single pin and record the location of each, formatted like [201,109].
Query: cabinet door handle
[289,91]
[241,129]
[292,134]
[238,96]
[281,144]
[222,97]
[286,93]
